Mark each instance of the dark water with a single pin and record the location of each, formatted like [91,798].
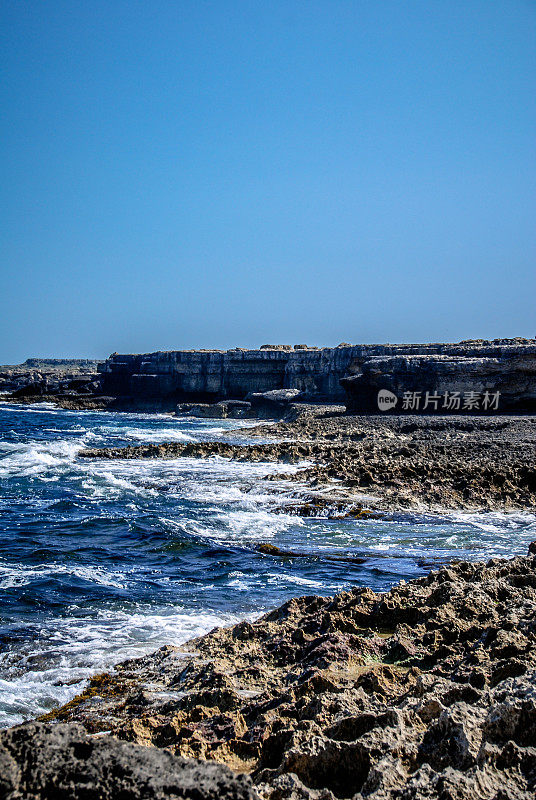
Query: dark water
[100,561]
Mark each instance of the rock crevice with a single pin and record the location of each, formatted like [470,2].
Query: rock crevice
[425,691]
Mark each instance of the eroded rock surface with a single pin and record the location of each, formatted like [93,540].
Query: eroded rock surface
[399,462]
[38,377]
[61,762]
[351,374]
[510,372]
[209,375]
[426,691]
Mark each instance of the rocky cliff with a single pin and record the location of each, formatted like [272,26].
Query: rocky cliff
[44,376]
[351,373]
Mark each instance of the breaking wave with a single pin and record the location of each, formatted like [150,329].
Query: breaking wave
[106,560]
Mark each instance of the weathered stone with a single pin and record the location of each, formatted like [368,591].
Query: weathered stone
[205,376]
[233,409]
[400,462]
[309,701]
[38,377]
[279,396]
[273,404]
[42,761]
[354,373]
[509,370]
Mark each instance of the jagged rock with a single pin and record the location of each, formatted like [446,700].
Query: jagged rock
[37,377]
[41,761]
[274,403]
[453,739]
[354,373]
[315,702]
[257,405]
[399,462]
[280,396]
[233,409]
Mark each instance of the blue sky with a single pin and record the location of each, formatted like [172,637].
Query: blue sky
[215,174]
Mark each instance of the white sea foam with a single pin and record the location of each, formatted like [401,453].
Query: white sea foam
[495,521]
[155,436]
[296,579]
[36,458]
[66,431]
[238,585]
[71,650]
[252,525]
[16,574]
[221,502]
[34,408]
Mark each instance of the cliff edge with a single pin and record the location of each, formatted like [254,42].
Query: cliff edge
[352,374]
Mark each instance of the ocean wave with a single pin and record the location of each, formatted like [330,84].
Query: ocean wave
[106,560]
[298,580]
[243,526]
[33,408]
[14,575]
[496,521]
[53,670]
[35,457]
[157,435]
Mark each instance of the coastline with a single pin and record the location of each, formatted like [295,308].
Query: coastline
[425,463]
[434,462]
[424,691]
[380,695]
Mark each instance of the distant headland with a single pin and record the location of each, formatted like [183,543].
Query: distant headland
[472,375]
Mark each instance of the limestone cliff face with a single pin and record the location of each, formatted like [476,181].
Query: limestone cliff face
[40,376]
[346,373]
[209,375]
[509,370]
[197,375]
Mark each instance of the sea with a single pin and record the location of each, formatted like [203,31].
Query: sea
[106,560]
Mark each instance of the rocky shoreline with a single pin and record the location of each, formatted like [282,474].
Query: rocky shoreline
[38,377]
[451,376]
[389,462]
[352,374]
[426,691]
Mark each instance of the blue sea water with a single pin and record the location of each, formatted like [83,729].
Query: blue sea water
[105,560]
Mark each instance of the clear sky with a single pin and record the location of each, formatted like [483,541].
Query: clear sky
[183,173]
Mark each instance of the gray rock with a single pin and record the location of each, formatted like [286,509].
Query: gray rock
[201,410]
[39,761]
[273,404]
[37,377]
[234,409]
[279,396]
[206,376]
[509,370]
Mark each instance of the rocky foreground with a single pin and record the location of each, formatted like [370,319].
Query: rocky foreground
[426,691]
[393,462]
